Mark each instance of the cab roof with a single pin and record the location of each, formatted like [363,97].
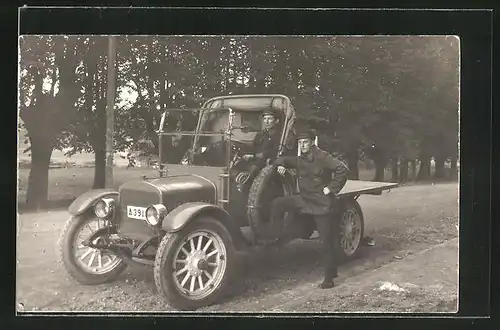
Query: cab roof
[253,102]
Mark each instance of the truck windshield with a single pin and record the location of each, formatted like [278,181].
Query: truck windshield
[180,140]
[185,142]
[244,126]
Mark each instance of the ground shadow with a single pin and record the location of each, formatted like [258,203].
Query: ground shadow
[263,270]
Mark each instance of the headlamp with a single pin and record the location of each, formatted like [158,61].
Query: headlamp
[155,213]
[104,207]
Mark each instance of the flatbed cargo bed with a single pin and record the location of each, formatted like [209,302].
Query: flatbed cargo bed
[358,187]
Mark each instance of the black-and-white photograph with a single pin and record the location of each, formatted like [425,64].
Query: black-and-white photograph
[211,173]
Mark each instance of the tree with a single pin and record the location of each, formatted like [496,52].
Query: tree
[87,131]
[46,111]
[439,130]
[386,98]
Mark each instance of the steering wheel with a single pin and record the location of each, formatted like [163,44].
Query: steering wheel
[238,155]
[211,155]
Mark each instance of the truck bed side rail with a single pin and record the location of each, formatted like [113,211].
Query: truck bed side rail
[358,187]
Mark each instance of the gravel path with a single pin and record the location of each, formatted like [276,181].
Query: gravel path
[403,221]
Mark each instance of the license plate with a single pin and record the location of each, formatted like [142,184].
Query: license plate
[136,212]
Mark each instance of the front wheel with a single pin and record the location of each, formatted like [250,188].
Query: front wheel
[351,229]
[87,265]
[193,266]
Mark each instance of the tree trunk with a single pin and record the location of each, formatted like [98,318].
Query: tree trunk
[453,170]
[280,71]
[379,171]
[99,136]
[424,172]
[352,161]
[99,146]
[100,167]
[368,164]
[403,177]
[439,168]
[413,164]
[38,180]
[46,117]
[395,170]
[380,159]
[259,83]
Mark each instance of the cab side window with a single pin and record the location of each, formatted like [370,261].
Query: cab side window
[251,120]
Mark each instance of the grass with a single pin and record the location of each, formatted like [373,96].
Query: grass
[68,183]
[65,184]
[372,301]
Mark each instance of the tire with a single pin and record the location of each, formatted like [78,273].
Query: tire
[349,212]
[259,204]
[189,275]
[74,265]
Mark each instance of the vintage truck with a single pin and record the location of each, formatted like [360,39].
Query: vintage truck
[187,222]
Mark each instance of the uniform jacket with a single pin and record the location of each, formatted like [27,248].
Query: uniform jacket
[314,173]
[265,143]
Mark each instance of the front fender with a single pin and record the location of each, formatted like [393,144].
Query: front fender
[86,200]
[183,214]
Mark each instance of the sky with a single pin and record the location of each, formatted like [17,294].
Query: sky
[126,96]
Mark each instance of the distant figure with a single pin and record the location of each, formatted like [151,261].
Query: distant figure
[131,160]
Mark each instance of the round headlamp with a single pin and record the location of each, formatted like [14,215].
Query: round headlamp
[104,208]
[155,213]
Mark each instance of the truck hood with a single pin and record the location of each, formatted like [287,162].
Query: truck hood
[171,191]
[184,184]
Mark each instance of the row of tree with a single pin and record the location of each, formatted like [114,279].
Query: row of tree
[389,99]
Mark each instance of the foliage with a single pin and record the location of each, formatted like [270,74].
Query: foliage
[378,96]
[47,96]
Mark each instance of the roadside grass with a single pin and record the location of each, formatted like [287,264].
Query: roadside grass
[417,300]
[441,229]
[425,282]
[65,184]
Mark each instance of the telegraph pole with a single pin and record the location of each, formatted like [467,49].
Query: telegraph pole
[110,110]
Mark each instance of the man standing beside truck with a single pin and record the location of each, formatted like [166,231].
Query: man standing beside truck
[320,178]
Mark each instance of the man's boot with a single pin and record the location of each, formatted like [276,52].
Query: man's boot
[330,274]
[327,283]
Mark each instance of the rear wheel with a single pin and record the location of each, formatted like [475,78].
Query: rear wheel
[351,228]
[194,265]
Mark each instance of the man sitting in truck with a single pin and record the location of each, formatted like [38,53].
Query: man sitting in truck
[265,146]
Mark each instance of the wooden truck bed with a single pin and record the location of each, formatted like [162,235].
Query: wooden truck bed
[358,187]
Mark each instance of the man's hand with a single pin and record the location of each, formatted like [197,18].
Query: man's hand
[247,156]
[281,170]
[326,191]
[260,155]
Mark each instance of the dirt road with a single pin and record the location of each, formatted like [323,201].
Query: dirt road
[403,222]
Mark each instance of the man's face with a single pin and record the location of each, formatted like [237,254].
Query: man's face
[176,140]
[268,121]
[305,145]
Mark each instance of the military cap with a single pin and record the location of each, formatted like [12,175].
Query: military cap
[271,112]
[306,134]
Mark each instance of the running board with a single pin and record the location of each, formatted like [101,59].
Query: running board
[146,262]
